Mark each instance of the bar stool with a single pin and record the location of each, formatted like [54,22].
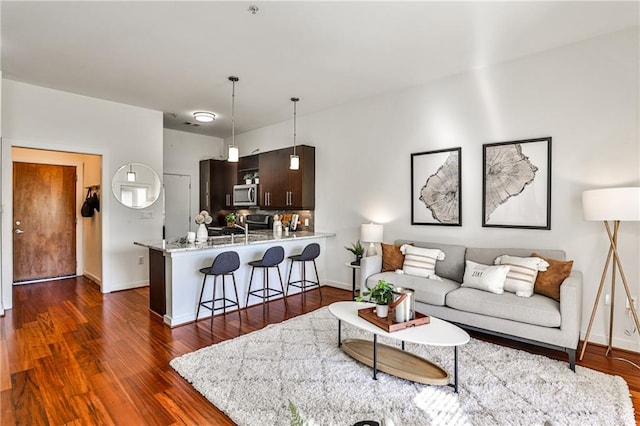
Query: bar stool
[309,254]
[224,264]
[272,258]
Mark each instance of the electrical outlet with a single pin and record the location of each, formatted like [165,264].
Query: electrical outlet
[141,260]
[635,302]
[607,299]
[306,221]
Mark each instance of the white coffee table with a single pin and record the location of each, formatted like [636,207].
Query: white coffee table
[392,360]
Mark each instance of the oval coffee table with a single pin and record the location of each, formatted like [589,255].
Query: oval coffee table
[392,360]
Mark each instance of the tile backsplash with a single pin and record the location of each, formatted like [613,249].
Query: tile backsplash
[305,217]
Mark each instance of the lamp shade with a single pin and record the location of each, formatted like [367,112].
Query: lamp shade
[233,155]
[371,232]
[611,204]
[294,162]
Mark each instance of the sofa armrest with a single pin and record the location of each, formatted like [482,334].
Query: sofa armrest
[368,266]
[571,305]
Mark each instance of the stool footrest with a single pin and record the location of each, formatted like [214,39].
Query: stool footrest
[231,304]
[267,290]
[309,283]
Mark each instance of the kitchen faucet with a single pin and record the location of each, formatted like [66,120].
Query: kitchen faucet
[245,229]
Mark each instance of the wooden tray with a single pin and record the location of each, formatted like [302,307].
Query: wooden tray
[387,323]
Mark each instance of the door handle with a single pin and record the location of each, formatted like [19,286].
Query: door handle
[19,231]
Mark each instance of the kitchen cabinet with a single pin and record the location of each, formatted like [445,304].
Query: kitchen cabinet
[282,188]
[217,178]
[246,165]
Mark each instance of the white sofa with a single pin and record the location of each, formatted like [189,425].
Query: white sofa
[538,319]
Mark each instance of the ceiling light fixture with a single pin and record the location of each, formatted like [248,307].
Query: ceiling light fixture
[233,153]
[204,116]
[131,175]
[294,160]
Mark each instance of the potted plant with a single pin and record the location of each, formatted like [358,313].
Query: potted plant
[382,295]
[248,177]
[256,177]
[231,220]
[357,249]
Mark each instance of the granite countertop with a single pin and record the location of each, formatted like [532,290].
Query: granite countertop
[173,245]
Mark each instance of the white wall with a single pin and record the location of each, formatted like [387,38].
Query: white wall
[585,96]
[37,117]
[182,154]
[2,210]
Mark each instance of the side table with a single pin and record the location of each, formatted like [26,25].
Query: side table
[353,267]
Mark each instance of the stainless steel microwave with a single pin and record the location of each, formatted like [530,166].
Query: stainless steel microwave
[245,195]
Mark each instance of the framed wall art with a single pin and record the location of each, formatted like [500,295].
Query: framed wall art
[436,187]
[516,185]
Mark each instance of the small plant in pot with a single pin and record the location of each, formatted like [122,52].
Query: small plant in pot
[382,295]
[248,178]
[231,220]
[357,249]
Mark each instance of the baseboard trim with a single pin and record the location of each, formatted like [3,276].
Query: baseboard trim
[618,343]
[129,286]
[91,277]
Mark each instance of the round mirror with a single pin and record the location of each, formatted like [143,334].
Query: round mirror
[136,185]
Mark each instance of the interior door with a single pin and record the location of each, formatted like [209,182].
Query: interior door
[44,221]
[177,205]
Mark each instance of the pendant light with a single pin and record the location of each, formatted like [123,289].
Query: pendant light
[131,175]
[294,160]
[233,153]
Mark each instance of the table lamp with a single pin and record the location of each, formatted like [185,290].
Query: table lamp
[371,233]
[611,205]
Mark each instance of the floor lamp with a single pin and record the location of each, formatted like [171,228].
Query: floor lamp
[611,205]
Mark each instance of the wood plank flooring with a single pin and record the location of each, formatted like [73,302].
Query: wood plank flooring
[71,355]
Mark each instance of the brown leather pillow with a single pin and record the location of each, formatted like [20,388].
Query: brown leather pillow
[548,282]
[392,257]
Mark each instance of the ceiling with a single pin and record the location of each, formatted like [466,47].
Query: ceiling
[176,56]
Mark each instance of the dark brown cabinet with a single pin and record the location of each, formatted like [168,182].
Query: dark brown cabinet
[217,178]
[282,188]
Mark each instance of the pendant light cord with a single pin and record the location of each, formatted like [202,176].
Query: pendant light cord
[295,101]
[233,110]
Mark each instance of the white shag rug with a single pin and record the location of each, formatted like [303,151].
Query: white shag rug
[252,379]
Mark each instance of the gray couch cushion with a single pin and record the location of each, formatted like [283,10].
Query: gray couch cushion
[537,309]
[427,291]
[452,267]
[486,256]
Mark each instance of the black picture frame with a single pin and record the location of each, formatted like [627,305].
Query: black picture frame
[516,184]
[437,201]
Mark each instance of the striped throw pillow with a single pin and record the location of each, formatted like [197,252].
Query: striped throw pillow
[420,262]
[522,273]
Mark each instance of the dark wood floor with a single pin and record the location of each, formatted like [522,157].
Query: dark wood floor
[71,355]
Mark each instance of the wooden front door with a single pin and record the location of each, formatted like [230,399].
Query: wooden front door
[44,221]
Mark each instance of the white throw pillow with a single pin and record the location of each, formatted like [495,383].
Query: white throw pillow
[485,277]
[420,262]
[522,275]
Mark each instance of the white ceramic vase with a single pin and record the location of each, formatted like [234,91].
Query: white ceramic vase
[382,311]
[202,234]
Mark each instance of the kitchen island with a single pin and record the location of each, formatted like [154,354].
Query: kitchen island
[175,280]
